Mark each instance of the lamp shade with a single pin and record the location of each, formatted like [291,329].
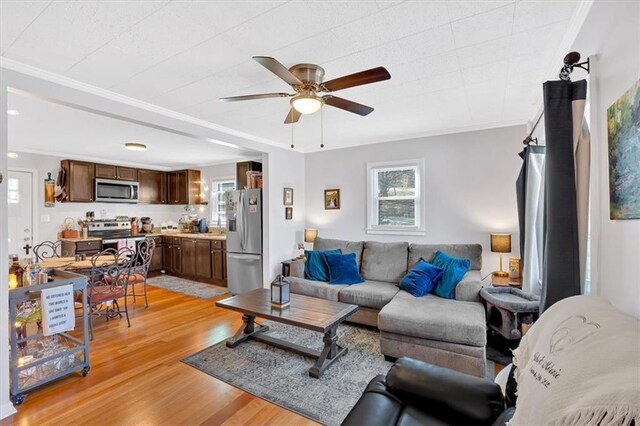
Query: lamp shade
[501,243]
[310,235]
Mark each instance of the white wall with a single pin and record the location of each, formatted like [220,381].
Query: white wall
[469,187]
[611,37]
[48,230]
[284,169]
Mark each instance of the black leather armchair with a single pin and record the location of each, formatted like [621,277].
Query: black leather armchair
[418,393]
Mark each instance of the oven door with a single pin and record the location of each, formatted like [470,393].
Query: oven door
[115,191]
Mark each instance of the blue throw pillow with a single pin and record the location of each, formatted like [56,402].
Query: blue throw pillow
[454,270]
[343,268]
[422,279]
[315,268]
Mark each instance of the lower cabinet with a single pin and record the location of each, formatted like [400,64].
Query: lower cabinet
[156,258]
[197,259]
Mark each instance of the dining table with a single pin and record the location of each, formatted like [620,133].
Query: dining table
[71,264]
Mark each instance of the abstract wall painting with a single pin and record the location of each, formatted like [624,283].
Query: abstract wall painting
[623,122]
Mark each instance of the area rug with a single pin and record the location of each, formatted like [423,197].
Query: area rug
[188,287]
[282,377]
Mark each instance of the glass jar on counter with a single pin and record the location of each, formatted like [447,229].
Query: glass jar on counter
[32,271]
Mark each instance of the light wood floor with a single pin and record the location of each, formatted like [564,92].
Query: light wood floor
[137,378]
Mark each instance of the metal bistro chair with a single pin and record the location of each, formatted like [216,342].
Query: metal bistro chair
[140,269]
[48,250]
[110,270]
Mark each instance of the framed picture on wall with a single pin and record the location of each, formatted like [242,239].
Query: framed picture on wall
[287,198]
[331,199]
[288,213]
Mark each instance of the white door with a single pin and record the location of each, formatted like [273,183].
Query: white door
[20,195]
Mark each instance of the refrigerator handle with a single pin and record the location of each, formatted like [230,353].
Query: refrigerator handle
[241,224]
[245,219]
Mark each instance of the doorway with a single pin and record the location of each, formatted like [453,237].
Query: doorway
[20,196]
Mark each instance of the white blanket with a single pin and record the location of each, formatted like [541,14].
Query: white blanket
[579,365]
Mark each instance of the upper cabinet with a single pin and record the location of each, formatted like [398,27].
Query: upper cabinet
[78,180]
[108,171]
[153,186]
[183,187]
[241,172]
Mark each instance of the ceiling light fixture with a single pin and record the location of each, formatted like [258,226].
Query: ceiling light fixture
[135,146]
[13,112]
[12,154]
[306,102]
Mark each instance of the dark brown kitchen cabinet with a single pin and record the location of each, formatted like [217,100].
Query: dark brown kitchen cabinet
[183,187]
[78,181]
[241,172]
[153,187]
[196,259]
[109,171]
[218,260]
[176,255]
[167,255]
[156,257]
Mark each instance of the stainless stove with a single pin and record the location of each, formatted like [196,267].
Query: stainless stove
[109,228]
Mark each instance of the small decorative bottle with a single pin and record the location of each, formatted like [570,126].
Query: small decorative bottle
[15,273]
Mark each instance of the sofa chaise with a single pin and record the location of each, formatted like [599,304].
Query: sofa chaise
[445,332]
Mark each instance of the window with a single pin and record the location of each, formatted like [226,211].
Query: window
[218,203]
[394,197]
[13,191]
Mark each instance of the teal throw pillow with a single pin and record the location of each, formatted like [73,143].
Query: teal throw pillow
[343,268]
[315,268]
[454,270]
[422,279]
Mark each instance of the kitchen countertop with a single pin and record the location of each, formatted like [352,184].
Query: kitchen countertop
[218,237]
[80,240]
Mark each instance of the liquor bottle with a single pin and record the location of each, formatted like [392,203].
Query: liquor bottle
[32,271]
[15,273]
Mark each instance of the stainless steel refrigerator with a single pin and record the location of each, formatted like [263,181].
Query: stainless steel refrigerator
[244,240]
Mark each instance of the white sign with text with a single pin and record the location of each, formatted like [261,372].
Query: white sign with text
[57,310]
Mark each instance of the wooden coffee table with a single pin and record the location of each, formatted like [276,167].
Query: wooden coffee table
[305,312]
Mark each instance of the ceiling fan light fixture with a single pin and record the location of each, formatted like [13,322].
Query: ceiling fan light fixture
[135,146]
[306,103]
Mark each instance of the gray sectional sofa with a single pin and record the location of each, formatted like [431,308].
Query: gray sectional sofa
[449,333]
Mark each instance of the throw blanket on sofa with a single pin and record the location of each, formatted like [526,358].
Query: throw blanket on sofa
[579,365]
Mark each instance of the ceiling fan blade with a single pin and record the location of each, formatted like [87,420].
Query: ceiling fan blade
[347,105]
[251,97]
[292,117]
[358,79]
[278,69]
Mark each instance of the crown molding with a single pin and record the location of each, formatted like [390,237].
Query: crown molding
[23,68]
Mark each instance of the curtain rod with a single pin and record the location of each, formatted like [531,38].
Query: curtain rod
[571,61]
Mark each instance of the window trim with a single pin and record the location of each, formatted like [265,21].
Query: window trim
[371,206]
[213,200]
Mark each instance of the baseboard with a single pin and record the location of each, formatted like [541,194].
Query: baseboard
[6,410]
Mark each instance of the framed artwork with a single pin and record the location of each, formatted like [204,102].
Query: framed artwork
[331,199]
[287,198]
[623,129]
[288,213]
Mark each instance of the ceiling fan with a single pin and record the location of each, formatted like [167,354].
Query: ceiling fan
[306,80]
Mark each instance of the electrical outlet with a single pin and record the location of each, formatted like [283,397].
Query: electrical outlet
[45,218]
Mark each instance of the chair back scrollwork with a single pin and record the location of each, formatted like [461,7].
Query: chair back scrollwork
[110,270]
[47,250]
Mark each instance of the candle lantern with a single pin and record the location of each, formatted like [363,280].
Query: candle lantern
[280,292]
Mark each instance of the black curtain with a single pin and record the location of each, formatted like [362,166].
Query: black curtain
[561,276]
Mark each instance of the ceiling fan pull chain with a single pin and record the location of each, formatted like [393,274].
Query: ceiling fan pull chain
[321,127]
[291,112]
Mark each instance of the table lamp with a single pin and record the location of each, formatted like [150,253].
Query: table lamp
[501,243]
[310,236]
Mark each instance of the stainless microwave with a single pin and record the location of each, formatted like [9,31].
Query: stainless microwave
[116,191]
